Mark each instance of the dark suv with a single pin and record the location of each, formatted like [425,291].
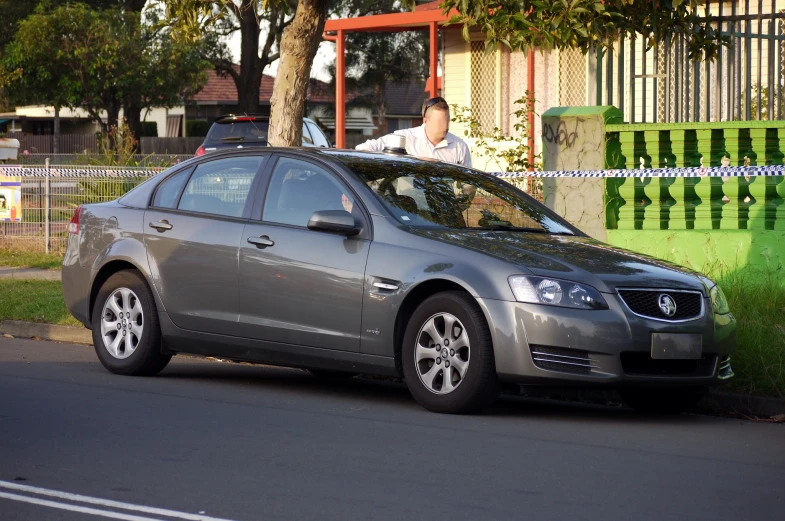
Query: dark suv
[233,131]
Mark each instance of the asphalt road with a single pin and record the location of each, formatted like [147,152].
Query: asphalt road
[208,440]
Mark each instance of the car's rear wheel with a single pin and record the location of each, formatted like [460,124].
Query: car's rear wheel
[659,400]
[447,352]
[126,333]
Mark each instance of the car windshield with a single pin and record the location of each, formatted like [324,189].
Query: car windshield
[440,195]
[238,132]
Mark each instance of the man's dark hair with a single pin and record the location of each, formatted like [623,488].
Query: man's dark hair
[437,103]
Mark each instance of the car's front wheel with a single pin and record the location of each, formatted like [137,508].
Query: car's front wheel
[659,400]
[126,334]
[447,352]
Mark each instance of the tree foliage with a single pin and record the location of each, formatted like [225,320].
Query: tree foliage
[97,60]
[207,22]
[587,24]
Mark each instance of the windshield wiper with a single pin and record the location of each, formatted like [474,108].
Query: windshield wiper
[510,228]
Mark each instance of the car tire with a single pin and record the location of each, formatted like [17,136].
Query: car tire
[331,375]
[465,381]
[135,348]
[660,400]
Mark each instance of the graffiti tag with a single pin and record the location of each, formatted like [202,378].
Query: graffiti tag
[559,136]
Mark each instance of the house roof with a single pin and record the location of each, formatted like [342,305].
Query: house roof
[221,89]
[403,99]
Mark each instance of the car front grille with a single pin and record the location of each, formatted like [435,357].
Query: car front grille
[561,359]
[645,303]
[641,363]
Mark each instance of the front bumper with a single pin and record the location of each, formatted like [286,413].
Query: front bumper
[549,345]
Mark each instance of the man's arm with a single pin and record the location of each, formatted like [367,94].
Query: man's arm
[372,145]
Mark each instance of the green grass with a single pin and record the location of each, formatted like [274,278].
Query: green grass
[18,259]
[757,300]
[34,301]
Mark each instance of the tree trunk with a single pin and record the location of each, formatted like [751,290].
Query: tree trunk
[290,90]
[110,128]
[381,107]
[251,66]
[56,136]
[133,118]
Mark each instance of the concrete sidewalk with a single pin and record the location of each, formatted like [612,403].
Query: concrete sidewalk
[7,272]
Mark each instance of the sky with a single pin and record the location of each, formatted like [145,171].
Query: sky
[324,56]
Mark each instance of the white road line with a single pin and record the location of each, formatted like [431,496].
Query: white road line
[106,503]
[74,508]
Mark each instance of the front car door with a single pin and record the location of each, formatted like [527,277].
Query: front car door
[193,230]
[301,286]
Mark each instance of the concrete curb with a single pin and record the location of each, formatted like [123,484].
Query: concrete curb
[724,402]
[717,402]
[66,334]
[7,272]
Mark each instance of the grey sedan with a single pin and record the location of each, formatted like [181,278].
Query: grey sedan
[345,263]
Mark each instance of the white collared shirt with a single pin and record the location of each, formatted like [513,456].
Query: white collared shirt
[452,149]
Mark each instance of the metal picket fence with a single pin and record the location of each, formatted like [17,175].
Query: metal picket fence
[49,197]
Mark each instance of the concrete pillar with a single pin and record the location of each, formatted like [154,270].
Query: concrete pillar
[573,139]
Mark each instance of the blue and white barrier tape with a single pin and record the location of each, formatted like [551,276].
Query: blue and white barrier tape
[721,171]
[715,171]
[57,171]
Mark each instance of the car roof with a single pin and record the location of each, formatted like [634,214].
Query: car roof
[227,118]
[342,156]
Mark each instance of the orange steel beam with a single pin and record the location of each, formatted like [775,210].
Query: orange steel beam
[391,22]
[340,88]
[530,88]
[434,48]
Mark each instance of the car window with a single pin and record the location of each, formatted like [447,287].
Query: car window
[238,132]
[451,196]
[169,191]
[298,189]
[221,187]
[318,136]
[307,139]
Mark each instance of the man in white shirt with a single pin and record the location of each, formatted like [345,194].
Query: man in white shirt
[432,139]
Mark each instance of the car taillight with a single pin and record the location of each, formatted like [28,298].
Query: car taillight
[245,118]
[73,227]
[199,151]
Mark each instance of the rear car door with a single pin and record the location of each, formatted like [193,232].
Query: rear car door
[301,286]
[192,233]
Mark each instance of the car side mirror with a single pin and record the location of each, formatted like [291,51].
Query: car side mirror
[339,222]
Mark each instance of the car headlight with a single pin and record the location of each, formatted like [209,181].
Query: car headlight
[555,292]
[718,301]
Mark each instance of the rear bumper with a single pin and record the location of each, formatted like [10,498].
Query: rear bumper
[76,284]
[549,345]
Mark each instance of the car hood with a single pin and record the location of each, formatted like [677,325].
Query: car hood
[580,259]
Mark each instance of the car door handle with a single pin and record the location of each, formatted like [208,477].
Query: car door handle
[261,242]
[161,226]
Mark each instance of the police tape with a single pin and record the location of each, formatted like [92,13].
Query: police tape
[55,171]
[717,171]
